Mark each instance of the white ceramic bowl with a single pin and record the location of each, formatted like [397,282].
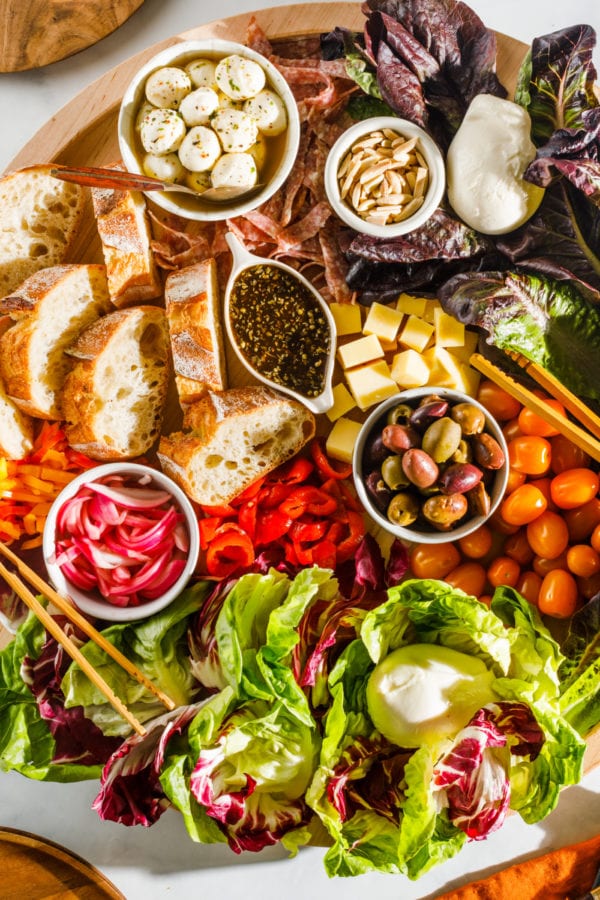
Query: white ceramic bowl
[283,148]
[431,154]
[93,603]
[410,533]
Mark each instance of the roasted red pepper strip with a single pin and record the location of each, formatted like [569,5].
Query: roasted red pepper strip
[229,551]
[272,495]
[309,531]
[295,471]
[225,511]
[324,465]
[208,528]
[308,499]
[251,491]
[356,525]
[271,525]
[247,517]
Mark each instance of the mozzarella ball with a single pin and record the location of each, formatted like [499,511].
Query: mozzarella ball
[142,112]
[201,72]
[236,129]
[167,87]
[198,181]
[268,111]
[258,151]
[235,170]
[239,78]
[197,108]
[200,149]
[162,131]
[167,167]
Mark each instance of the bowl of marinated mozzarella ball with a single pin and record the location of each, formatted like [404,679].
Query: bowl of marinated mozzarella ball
[214,116]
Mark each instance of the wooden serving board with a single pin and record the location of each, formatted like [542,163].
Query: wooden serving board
[38,32]
[84,132]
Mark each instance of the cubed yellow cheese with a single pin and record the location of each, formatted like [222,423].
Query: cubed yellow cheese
[449,332]
[347,317]
[360,351]
[430,309]
[342,438]
[469,347]
[415,333]
[438,375]
[371,384]
[342,402]
[411,306]
[461,377]
[410,369]
[384,321]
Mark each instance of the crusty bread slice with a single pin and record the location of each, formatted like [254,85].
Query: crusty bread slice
[234,437]
[39,216]
[113,397]
[50,308]
[124,231]
[193,313]
[16,429]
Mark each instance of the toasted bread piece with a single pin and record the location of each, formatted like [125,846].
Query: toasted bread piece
[125,235]
[233,438]
[39,217]
[49,310]
[193,314]
[113,397]
[16,429]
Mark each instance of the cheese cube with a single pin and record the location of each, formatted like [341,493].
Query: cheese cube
[371,384]
[360,351]
[430,309]
[438,375]
[469,347]
[384,321]
[347,317]
[461,377]
[341,440]
[411,306]
[449,332]
[410,369]
[342,402]
[415,333]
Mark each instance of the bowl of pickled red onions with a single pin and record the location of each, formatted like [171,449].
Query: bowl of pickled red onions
[121,540]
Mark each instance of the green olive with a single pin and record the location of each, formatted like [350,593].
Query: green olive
[399,415]
[393,474]
[403,509]
[442,439]
[470,418]
[463,453]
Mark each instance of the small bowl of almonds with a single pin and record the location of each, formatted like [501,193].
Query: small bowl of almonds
[385,176]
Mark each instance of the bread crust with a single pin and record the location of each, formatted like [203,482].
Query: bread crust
[124,231]
[86,393]
[271,429]
[194,316]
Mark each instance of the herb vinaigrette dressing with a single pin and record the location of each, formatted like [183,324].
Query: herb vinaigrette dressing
[280,328]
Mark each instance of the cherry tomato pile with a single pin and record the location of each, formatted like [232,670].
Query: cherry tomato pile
[304,510]
[544,539]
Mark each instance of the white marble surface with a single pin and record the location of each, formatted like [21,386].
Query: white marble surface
[162,862]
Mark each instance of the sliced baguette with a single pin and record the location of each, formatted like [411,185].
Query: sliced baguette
[113,397]
[16,429]
[39,218]
[193,314]
[49,310]
[125,235]
[232,439]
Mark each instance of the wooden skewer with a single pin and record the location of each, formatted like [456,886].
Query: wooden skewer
[53,628]
[573,432]
[556,389]
[75,616]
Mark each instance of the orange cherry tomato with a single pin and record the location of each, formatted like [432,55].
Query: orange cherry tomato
[476,544]
[515,480]
[503,570]
[523,505]
[582,520]
[589,587]
[497,401]
[543,484]
[517,547]
[530,454]
[433,560]
[531,423]
[595,539]
[542,565]
[548,535]
[567,455]
[529,585]
[497,524]
[574,487]
[558,594]
[511,430]
[469,577]
[583,560]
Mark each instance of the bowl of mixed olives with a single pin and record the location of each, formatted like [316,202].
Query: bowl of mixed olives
[430,465]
